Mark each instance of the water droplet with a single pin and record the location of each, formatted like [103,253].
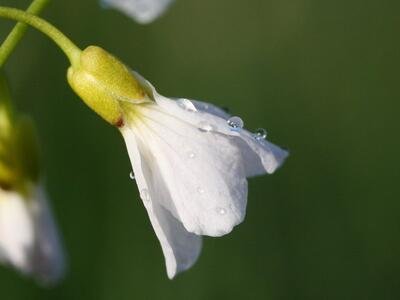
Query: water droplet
[221,211]
[191,154]
[132,175]
[200,190]
[205,127]
[260,134]
[235,123]
[186,104]
[145,195]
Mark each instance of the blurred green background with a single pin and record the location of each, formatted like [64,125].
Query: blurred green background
[320,76]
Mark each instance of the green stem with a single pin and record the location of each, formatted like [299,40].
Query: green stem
[66,45]
[18,31]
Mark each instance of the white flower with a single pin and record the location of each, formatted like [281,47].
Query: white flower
[191,164]
[190,159]
[28,236]
[143,11]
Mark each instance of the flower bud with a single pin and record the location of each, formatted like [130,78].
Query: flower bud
[102,81]
[19,156]
[6,113]
[28,234]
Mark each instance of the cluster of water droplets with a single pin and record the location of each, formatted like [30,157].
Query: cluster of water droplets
[236,124]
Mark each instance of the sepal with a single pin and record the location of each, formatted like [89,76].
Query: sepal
[102,81]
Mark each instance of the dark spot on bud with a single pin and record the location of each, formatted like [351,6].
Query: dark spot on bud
[120,122]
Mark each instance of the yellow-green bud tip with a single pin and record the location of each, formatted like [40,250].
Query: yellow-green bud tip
[102,81]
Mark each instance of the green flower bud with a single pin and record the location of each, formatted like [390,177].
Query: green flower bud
[19,154]
[6,113]
[102,81]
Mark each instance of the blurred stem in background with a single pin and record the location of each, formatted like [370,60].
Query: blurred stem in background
[19,30]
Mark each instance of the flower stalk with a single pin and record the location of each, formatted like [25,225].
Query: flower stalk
[19,31]
[64,43]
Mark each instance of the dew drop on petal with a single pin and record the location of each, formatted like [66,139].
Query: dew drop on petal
[221,211]
[200,190]
[205,127]
[186,104]
[191,154]
[132,175]
[260,134]
[235,123]
[145,195]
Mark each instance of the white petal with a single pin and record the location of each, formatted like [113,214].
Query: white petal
[28,236]
[202,171]
[47,254]
[260,156]
[143,11]
[180,247]
[16,230]
[211,109]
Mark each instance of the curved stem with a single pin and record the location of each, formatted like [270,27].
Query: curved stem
[68,47]
[18,31]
